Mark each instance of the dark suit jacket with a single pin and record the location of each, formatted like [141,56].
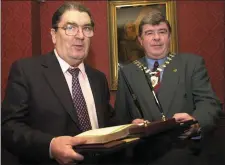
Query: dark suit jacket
[38,106]
[185,87]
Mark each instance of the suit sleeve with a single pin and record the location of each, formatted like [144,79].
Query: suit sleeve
[207,106]
[110,110]
[17,134]
[123,104]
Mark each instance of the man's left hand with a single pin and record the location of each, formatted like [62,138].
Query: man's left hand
[182,117]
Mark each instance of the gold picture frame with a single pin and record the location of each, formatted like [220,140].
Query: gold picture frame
[120,14]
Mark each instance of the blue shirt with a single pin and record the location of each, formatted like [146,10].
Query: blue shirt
[151,62]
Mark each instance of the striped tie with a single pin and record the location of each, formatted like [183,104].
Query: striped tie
[79,101]
[156,65]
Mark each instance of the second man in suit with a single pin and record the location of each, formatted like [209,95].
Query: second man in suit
[181,84]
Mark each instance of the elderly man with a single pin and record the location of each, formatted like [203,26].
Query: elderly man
[51,98]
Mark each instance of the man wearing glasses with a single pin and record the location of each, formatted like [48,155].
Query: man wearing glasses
[51,98]
[166,86]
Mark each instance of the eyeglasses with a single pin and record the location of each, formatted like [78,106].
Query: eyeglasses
[72,30]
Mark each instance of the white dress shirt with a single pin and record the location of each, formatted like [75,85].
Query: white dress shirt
[85,87]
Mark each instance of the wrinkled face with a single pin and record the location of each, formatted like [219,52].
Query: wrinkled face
[155,39]
[73,49]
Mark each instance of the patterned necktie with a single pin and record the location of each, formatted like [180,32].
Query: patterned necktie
[157,76]
[79,101]
[156,65]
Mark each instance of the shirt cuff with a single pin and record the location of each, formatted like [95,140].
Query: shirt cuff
[50,151]
[198,135]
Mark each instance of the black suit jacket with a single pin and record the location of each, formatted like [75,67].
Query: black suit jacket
[38,106]
[185,87]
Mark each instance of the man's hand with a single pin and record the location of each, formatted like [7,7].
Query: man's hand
[62,151]
[182,117]
[138,121]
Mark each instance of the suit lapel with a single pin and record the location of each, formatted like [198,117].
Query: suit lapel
[152,112]
[57,82]
[168,84]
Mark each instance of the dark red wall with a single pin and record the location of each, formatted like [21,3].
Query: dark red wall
[16,35]
[200,30]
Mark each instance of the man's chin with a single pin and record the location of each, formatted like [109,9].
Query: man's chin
[76,60]
[79,57]
[157,55]
[160,53]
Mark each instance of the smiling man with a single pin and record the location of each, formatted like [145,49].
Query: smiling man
[51,98]
[183,88]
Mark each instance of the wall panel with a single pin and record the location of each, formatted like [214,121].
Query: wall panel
[16,35]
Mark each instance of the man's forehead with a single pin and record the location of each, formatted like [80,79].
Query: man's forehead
[77,17]
[161,25]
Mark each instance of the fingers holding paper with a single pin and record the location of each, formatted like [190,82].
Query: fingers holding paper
[140,122]
[61,149]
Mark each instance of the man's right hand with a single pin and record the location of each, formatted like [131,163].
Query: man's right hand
[62,151]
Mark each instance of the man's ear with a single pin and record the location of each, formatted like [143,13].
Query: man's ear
[53,34]
[140,40]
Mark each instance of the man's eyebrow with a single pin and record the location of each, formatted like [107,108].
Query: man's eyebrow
[150,30]
[163,29]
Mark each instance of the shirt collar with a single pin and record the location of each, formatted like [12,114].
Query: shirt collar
[65,66]
[151,62]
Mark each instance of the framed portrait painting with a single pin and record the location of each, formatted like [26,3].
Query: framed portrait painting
[124,19]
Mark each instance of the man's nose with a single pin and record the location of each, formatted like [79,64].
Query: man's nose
[80,33]
[156,36]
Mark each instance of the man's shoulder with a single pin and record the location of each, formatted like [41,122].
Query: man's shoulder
[94,71]
[128,68]
[32,60]
[133,64]
[188,56]
[188,60]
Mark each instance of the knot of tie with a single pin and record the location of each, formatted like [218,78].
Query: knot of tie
[74,71]
[156,65]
